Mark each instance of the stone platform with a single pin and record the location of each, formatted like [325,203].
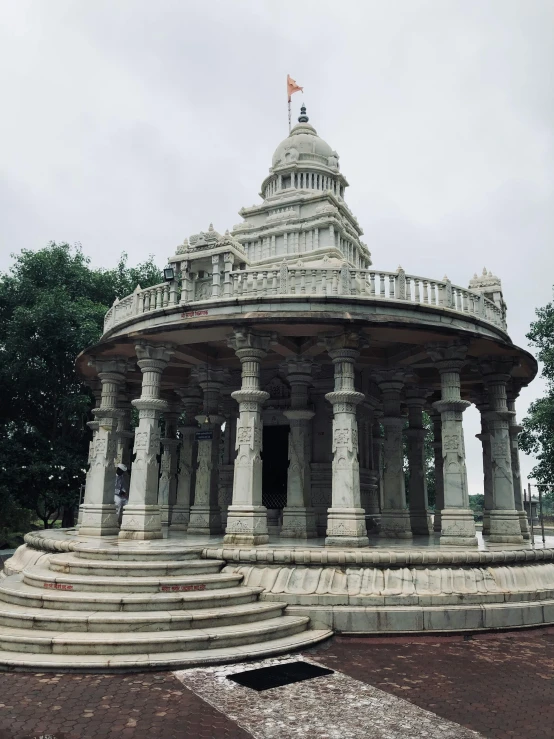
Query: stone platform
[74,602]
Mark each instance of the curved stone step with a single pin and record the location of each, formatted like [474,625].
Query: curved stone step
[40,577]
[41,641]
[147,551]
[14,590]
[170,660]
[17,616]
[77,565]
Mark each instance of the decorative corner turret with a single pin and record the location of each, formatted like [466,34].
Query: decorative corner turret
[490,286]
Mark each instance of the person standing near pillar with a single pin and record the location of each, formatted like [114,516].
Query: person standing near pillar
[141,517]
[99,516]
[416,433]
[346,524]
[246,516]
[504,519]
[298,515]
[205,514]
[395,516]
[191,403]
[457,523]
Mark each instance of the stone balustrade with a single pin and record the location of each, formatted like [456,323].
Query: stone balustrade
[308,281]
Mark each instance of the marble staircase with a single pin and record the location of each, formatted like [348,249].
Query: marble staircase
[128,608]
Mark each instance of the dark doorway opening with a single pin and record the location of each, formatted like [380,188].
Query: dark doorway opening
[275,457]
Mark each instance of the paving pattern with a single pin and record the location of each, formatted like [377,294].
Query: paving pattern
[499,685]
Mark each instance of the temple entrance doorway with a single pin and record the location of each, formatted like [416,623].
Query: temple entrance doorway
[275,458]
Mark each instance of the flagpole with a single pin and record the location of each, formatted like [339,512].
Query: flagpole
[290,126]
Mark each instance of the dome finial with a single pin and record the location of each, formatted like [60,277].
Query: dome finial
[303,118]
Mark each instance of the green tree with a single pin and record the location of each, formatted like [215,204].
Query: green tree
[537,436]
[52,306]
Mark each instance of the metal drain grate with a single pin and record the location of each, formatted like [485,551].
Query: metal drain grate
[266,678]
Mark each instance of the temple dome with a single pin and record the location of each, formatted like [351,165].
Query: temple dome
[303,144]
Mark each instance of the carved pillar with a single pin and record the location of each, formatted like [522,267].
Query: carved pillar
[416,433]
[141,516]
[191,402]
[124,433]
[167,487]
[378,441]
[395,517]
[439,474]
[247,517]
[205,514]
[298,515]
[98,516]
[457,524]
[515,429]
[228,261]
[485,439]
[504,519]
[346,524]
[225,496]
[216,276]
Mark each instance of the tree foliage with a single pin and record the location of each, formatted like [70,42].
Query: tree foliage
[52,306]
[537,436]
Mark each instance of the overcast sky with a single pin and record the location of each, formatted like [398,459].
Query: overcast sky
[127,125]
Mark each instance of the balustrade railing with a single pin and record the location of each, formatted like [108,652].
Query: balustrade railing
[304,281]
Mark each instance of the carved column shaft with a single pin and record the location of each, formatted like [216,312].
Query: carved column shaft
[180,512]
[485,439]
[247,517]
[395,517]
[516,471]
[439,476]
[457,523]
[416,433]
[141,516]
[298,515]
[205,514]
[167,487]
[98,516]
[504,519]
[346,525]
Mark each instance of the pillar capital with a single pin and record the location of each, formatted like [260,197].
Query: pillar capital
[250,345]
[344,346]
[416,397]
[153,356]
[448,357]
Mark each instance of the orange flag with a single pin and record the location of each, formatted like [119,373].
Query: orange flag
[292,87]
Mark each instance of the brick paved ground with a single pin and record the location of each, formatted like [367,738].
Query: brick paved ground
[106,707]
[501,685]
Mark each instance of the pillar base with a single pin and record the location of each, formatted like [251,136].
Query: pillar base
[524,525]
[179,518]
[458,528]
[486,523]
[346,527]
[204,520]
[98,520]
[246,526]
[505,527]
[164,515]
[141,522]
[298,523]
[421,523]
[437,522]
[395,524]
